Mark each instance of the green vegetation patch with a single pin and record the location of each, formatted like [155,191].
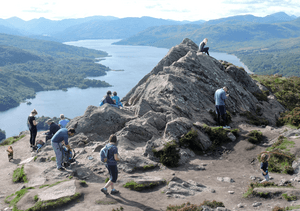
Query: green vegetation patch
[193,207]
[44,205]
[254,119]
[132,185]
[18,196]
[169,155]
[255,137]
[289,117]
[19,175]
[218,135]
[106,180]
[149,167]
[289,198]
[282,144]
[11,140]
[191,141]
[257,185]
[51,185]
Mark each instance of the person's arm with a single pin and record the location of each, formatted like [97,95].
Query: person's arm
[34,122]
[116,156]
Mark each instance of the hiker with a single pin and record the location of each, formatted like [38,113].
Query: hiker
[264,166]
[53,129]
[63,122]
[220,97]
[32,127]
[111,165]
[10,153]
[116,99]
[107,99]
[202,48]
[56,142]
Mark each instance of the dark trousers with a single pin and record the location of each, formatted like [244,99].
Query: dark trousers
[48,137]
[33,133]
[221,112]
[205,50]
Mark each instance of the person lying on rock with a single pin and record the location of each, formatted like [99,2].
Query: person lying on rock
[111,165]
[107,99]
[56,142]
[202,48]
[220,97]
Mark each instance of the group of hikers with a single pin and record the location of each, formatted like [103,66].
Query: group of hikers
[112,100]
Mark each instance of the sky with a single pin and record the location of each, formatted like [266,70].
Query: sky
[190,10]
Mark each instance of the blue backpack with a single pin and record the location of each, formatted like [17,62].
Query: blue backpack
[104,153]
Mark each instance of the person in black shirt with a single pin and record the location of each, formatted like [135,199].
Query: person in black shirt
[53,129]
[32,127]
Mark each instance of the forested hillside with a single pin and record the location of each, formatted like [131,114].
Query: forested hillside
[37,65]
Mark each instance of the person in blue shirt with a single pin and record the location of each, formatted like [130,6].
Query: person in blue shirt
[53,129]
[220,97]
[111,165]
[107,99]
[56,142]
[63,122]
[116,99]
[264,166]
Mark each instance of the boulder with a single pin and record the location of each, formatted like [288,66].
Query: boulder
[64,189]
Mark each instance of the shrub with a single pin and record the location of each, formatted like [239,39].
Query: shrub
[255,137]
[263,96]
[218,135]
[169,155]
[292,117]
[19,175]
[36,198]
[190,141]
[289,198]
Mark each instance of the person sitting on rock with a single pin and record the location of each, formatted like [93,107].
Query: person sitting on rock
[220,97]
[63,122]
[202,48]
[116,99]
[53,129]
[107,99]
[111,165]
[56,143]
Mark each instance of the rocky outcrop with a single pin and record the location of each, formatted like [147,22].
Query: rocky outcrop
[175,97]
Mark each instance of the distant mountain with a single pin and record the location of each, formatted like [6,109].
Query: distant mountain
[221,34]
[115,29]
[43,26]
[9,30]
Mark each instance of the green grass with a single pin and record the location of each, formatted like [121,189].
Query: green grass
[132,185]
[257,185]
[149,167]
[193,207]
[289,198]
[106,180]
[11,140]
[18,196]
[36,198]
[51,185]
[191,141]
[19,175]
[282,144]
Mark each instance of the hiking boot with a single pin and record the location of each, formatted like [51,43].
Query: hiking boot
[61,169]
[114,192]
[104,191]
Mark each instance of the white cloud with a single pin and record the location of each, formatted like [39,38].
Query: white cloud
[167,9]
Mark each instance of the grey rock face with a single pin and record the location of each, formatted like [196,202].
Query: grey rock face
[175,97]
[61,190]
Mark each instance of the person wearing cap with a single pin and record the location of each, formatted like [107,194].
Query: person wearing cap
[63,122]
[107,99]
[32,127]
[61,135]
[220,97]
[202,48]
[53,129]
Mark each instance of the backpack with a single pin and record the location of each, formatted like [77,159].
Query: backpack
[68,156]
[104,153]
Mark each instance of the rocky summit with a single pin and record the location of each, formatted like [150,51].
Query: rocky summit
[172,152]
